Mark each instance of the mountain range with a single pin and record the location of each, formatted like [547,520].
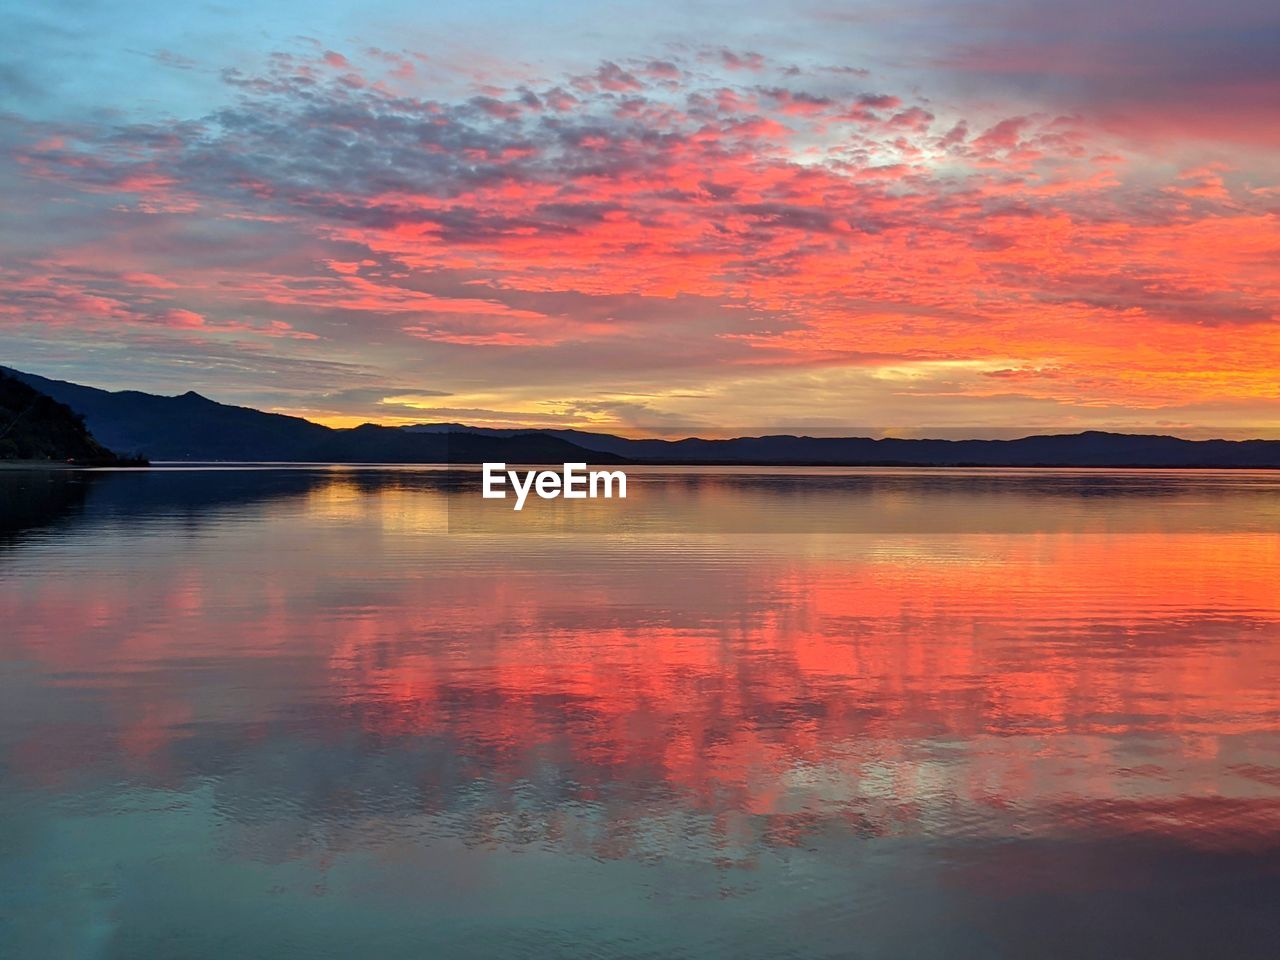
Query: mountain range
[191,427]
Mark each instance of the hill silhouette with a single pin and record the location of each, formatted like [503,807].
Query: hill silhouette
[34,426]
[191,427]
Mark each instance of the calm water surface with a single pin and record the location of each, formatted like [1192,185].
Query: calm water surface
[334,713]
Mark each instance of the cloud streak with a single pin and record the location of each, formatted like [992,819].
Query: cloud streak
[714,216]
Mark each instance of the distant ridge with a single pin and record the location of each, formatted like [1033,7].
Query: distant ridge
[194,428]
[1088,449]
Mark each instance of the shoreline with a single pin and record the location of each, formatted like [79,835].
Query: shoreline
[36,465]
[63,465]
[54,465]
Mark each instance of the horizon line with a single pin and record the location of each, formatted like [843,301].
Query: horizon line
[674,434]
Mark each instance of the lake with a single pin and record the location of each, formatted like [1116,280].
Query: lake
[333,712]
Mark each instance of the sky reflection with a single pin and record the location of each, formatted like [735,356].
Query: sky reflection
[322,687]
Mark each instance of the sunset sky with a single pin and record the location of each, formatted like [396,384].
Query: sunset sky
[1008,216]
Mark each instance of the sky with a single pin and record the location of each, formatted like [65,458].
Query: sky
[923,218]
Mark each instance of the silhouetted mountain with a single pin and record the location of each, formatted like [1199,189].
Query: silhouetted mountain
[1092,448]
[192,427]
[34,426]
[187,427]
[1089,449]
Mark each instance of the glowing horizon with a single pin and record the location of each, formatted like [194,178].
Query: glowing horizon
[1038,220]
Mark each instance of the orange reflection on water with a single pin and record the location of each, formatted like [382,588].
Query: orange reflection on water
[969,684]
